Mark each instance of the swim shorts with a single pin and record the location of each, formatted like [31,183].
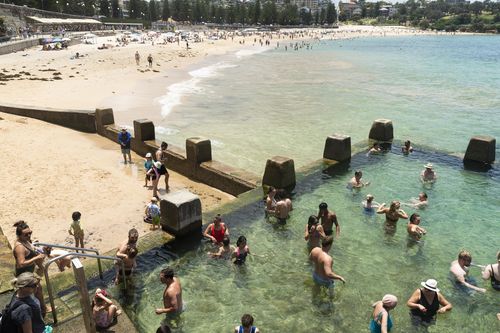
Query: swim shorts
[322,281]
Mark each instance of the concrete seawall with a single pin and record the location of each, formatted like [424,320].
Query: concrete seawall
[80,120]
[10,47]
[213,173]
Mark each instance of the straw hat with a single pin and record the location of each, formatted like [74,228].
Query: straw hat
[431,285]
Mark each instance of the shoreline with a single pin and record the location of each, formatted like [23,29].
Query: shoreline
[49,171]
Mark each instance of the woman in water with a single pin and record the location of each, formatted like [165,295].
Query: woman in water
[425,303]
[492,272]
[381,320]
[216,230]
[241,251]
[314,232]
[393,213]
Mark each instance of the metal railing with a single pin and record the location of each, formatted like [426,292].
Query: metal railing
[76,249]
[79,255]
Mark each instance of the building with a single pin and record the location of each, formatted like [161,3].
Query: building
[349,9]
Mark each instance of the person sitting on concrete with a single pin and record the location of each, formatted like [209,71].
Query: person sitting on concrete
[103,310]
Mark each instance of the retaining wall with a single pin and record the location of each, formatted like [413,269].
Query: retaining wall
[18,46]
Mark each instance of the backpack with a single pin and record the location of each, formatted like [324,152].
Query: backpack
[7,325]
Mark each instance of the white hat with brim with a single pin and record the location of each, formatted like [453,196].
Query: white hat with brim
[149,155]
[428,166]
[431,285]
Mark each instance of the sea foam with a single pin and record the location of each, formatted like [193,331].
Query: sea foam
[176,91]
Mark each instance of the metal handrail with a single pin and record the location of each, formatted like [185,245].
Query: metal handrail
[76,249]
[81,255]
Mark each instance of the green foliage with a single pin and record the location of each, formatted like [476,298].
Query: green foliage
[115,9]
[165,14]
[104,8]
[153,10]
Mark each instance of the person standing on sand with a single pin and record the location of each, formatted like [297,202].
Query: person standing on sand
[150,60]
[172,295]
[124,139]
[76,230]
[137,58]
[161,156]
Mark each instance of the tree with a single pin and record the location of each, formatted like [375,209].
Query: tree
[269,13]
[115,9]
[104,8]
[256,13]
[153,10]
[331,13]
[165,13]
[134,9]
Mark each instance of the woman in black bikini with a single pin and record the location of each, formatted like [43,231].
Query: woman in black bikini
[492,272]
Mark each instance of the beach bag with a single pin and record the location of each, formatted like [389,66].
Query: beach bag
[7,325]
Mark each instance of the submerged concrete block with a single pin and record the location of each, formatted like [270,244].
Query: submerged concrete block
[181,213]
[198,150]
[481,149]
[337,147]
[382,130]
[280,173]
[144,130]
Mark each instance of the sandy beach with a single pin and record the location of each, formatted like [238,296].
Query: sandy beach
[44,183]
[48,171]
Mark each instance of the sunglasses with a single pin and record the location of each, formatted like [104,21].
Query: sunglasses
[28,233]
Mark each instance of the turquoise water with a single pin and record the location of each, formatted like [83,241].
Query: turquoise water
[276,286]
[438,90]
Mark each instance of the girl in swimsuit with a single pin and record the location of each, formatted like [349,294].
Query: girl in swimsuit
[393,213]
[76,229]
[492,272]
[314,232]
[241,252]
[103,309]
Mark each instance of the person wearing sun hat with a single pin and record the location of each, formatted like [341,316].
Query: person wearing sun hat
[381,319]
[425,303]
[428,175]
[26,312]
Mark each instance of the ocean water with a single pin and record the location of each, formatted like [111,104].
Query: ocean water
[438,91]
[276,286]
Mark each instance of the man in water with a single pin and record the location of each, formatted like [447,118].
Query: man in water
[172,295]
[125,249]
[428,175]
[328,219]
[460,270]
[356,182]
[323,273]
[414,230]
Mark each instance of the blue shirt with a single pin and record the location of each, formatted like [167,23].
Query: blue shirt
[153,210]
[124,139]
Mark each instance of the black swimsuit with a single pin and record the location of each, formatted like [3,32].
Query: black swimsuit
[495,284]
[30,268]
[432,308]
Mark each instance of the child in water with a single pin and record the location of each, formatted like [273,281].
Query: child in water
[224,251]
[241,251]
[76,229]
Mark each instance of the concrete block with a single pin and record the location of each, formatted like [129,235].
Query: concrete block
[198,150]
[338,148]
[144,130]
[481,149]
[103,117]
[381,130]
[181,213]
[280,173]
